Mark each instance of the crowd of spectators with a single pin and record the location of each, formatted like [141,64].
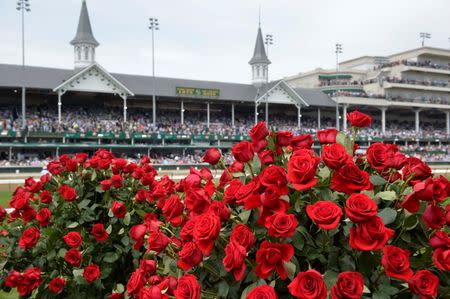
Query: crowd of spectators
[425,64]
[397,98]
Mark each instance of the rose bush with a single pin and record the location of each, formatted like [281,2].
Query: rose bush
[281,222]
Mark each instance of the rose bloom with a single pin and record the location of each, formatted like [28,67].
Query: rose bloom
[360,207]
[302,142]
[350,179]
[173,210]
[46,197]
[424,284]
[31,280]
[395,159]
[377,156]
[117,181]
[283,138]
[206,230]
[417,169]
[2,213]
[29,238]
[234,260]
[274,176]
[349,285]
[99,232]
[242,235]
[189,256]
[221,210]
[73,257]
[327,136]
[440,239]
[197,200]
[433,217]
[158,241]
[68,193]
[229,196]
[73,239]
[396,262]
[212,156]
[56,285]
[358,119]
[91,273]
[43,217]
[370,235]
[188,288]
[441,258]
[281,225]
[325,214]
[118,209]
[116,296]
[243,151]
[335,155]
[302,169]
[259,131]
[272,256]
[262,292]
[265,157]
[136,281]
[308,285]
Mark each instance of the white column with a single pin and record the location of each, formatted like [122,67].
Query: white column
[337,117]
[182,112]
[256,113]
[417,111]
[318,119]
[344,117]
[125,109]
[232,115]
[207,114]
[447,121]
[59,107]
[383,120]
[299,114]
[267,111]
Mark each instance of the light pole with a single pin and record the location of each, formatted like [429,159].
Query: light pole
[23,6]
[423,36]
[337,51]
[268,41]
[154,25]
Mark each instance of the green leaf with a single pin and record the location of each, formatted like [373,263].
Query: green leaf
[330,278]
[73,225]
[111,257]
[411,222]
[387,195]
[256,164]
[324,172]
[380,295]
[120,288]
[245,215]
[109,229]
[84,203]
[127,219]
[222,290]
[290,268]
[388,215]
[344,140]
[377,180]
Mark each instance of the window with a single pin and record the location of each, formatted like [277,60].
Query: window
[86,53]
[78,50]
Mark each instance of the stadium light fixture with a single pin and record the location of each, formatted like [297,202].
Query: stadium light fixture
[423,36]
[23,6]
[154,25]
[268,41]
[338,50]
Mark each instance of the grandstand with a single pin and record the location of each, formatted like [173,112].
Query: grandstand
[86,108]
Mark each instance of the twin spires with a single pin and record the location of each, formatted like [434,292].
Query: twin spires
[84,42]
[259,62]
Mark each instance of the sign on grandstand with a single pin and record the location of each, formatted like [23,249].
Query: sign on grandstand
[197,92]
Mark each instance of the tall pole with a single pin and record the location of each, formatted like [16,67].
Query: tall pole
[338,51]
[154,25]
[23,6]
[423,36]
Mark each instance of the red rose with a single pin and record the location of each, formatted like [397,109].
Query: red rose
[248,195]
[43,217]
[158,241]
[31,280]
[243,151]
[259,131]
[116,296]
[327,136]
[302,142]
[325,214]
[360,207]
[441,258]
[67,193]
[424,284]
[308,285]
[54,167]
[349,285]
[272,256]
[212,156]
[284,138]
[274,176]
[173,210]
[221,210]
[20,199]
[265,157]
[73,257]
[417,169]
[136,281]
[433,217]
[396,262]
[242,235]
[73,239]
[230,191]
[377,156]
[13,279]
[234,260]
[80,157]
[358,119]
[206,230]
[350,179]
[105,185]
[56,285]
[262,292]
[189,256]
[302,169]
[188,288]
[447,214]
[197,200]
[91,273]
[395,159]
[29,238]
[99,232]
[281,225]
[370,235]
[46,197]
[335,155]
[2,213]
[28,214]
[440,239]
[117,181]
[118,209]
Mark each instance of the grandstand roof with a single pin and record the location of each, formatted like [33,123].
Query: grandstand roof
[49,78]
[84,31]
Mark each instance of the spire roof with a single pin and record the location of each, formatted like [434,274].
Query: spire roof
[259,55]
[84,31]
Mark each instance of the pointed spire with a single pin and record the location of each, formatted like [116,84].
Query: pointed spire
[259,55]
[84,31]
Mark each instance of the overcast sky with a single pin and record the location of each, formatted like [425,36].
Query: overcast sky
[214,40]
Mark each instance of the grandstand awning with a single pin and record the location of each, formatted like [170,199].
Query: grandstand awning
[279,92]
[94,78]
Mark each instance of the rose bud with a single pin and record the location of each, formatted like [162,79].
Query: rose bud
[327,136]
[358,119]
[212,156]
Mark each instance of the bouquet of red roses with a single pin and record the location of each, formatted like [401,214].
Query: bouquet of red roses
[281,222]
